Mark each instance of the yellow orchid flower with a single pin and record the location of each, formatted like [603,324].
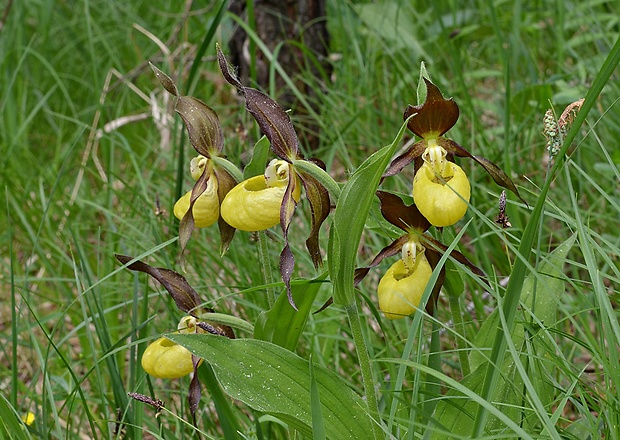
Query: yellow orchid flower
[400,290]
[441,189]
[168,360]
[254,204]
[206,209]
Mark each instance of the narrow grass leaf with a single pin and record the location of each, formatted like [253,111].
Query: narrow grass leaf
[518,275]
[11,426]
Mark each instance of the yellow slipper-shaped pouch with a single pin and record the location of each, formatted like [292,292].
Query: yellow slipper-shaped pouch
[400,290]
[206,209]
[167,360]
[254,204]
[443,201]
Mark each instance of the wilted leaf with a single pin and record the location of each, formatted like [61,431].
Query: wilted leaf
[273,380]
[433,118]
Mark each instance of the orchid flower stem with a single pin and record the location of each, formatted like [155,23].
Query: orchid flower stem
[459,325]
[365,367]
[433,386]
[320,175]
[265,267]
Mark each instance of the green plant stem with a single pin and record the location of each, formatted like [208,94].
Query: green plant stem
[364,363]
[319,174]
[265,267]
[459,325]
[433,386]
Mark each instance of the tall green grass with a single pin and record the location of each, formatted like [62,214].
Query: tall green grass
[74,324]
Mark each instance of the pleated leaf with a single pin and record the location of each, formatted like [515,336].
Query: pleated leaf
[273,380]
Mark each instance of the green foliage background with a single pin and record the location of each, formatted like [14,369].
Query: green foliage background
[72,325]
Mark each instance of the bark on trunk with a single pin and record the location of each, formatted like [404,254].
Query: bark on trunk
[293,23]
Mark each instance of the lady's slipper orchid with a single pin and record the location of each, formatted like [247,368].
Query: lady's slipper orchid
[206,210]
[168,360]
[441,189]
[159,357]
[401,288]
[254,204]
[277,127]
[211,170]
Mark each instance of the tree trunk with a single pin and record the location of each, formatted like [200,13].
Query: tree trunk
[290,24]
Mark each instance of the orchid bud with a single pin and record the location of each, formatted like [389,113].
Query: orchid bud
[400,289]
[254,204]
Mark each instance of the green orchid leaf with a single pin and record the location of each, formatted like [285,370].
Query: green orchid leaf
[346,231]
[203,125]
[318,198]
[318,426]
[273,380]
[260,156]
[281,324]
[433,118]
